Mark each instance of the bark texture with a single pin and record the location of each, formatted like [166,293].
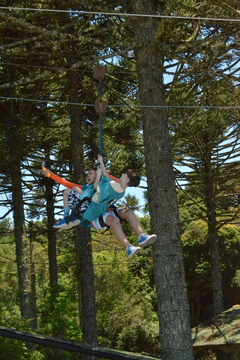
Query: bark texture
[213,238]
[85,272]
[173,309]
[23,246]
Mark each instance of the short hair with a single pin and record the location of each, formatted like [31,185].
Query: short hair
[134,178]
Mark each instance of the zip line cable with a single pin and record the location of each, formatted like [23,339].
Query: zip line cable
[126,15]
[204,107]
[120,14]
[64,68]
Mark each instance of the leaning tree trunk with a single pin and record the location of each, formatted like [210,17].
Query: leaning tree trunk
[12,126]
[23,251]
[173,308]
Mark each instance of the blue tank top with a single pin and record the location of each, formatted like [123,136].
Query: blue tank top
[88,191]
[108,196]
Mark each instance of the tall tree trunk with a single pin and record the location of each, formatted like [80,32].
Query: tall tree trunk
[51,233]
[86,280]
[12,124]
[173,309]
[213,238]
[85,273]
[33,272]
[52,241]
[23,251]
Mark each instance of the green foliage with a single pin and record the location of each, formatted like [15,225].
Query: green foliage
[198,267]
[236,280]
[10,317]
[229,239]
[40,53]
[126,299]
[129,202]
[8,273]
[64,319]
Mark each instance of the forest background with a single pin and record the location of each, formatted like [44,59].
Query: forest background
[181,134]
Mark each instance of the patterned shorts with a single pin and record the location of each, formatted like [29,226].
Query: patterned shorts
[73,199]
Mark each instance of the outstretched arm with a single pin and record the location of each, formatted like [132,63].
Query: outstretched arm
[59,179]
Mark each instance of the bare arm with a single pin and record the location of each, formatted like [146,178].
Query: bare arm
[98,177]
[104,171]
[77,189]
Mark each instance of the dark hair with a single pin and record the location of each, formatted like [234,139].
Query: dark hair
[134,178]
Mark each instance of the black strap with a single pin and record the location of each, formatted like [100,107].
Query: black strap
[102,223]
[114,209]
[76,211]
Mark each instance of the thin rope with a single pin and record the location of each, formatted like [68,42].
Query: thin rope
[125,106]
[69,68]
[121,14]
[101,142]
[47,67]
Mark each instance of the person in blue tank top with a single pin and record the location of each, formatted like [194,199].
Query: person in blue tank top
[108,191]
[103,193]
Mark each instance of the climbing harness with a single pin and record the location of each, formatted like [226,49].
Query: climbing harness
[114,209]
[79,209]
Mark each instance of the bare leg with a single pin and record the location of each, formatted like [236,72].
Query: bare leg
[77,189]
[129,215]
[66,193]
[114,223]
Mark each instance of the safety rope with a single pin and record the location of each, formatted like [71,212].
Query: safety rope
[100,104]
[100,107]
